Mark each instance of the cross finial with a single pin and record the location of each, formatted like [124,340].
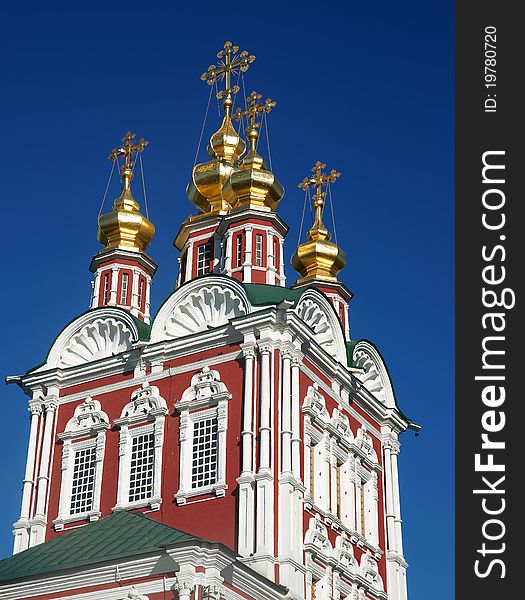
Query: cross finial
[253,108]
[128,148]
[230,63]
[319,180]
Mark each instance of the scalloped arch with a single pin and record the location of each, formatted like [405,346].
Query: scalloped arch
[199,305]
[97,334]
[317,312]
[374,376]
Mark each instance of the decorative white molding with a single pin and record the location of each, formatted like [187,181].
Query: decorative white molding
[202,304]
[85,430]
[314,404]
[369,571]
[206,398]
[373,374]
[134,595]
[316,539]
[318,314]
[145,414]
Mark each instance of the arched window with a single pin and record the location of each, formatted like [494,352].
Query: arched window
[203,411]
[82,459]
[140,449]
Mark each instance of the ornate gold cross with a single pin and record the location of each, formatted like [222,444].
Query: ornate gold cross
[128,148]
[230,64]
[253,109]
[319,179]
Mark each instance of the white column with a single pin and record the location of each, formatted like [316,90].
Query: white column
[158,440]
[286,427]
[114,285]
[185,438]
[389,498]
[397,504]
[270,267]
[296,415]
[21,527]
[281,262]
[216,254]
[264,428]
[247,265]
[247,427]
[228,254]
[96,289]
[38,529]
[147,304]
[189,262]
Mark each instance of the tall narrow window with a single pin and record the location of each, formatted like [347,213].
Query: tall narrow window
[83,485]
[258,249]
[124,288]
[183,265]
[107,291]
[203,258]
[238,251]
[142,467]
[203,411]
[141,292]
[140,449]
[276,261]
[205,453]
[82,460]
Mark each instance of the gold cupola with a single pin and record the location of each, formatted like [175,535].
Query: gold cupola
[125,227]
[226,146]
[318,259]
[252,184]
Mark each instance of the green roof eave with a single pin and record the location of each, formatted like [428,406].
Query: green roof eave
[120,535]
[264,294]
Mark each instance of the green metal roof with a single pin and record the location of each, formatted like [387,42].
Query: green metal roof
[262,293]
[117,536]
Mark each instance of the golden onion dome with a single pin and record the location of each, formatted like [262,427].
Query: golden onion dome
[318,259]
[208,179]
[252,184]
[125,227]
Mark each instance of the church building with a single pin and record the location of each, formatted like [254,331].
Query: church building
[239,444]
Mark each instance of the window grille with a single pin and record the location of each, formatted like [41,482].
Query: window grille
[203,258]
[141,471]
[258,249]
[83,485]
[239,251]
[205,453]
[124,288]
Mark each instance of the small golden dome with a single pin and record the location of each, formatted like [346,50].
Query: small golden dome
[125,227]
[252,184]
[318,258]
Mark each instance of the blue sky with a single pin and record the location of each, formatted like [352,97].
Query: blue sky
[366,88]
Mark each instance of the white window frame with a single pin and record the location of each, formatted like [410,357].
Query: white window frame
[239,250]
[145,414]
[206,398]
[204,258]
[86,429]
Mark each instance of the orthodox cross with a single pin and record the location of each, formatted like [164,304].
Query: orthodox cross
[128,148]
[230,63]
[317,181]
[253,109]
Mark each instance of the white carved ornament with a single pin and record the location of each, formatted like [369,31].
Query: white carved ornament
[205,308]
[365,443]
[370,375]
[344,554]
[314,404]
[341,424]
[99,339]
[316,318]
[87,416]
[369,571]
[316,538]
[205,386]
[145,401]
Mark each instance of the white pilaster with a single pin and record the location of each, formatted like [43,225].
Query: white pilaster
[114,286]
[247,265]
